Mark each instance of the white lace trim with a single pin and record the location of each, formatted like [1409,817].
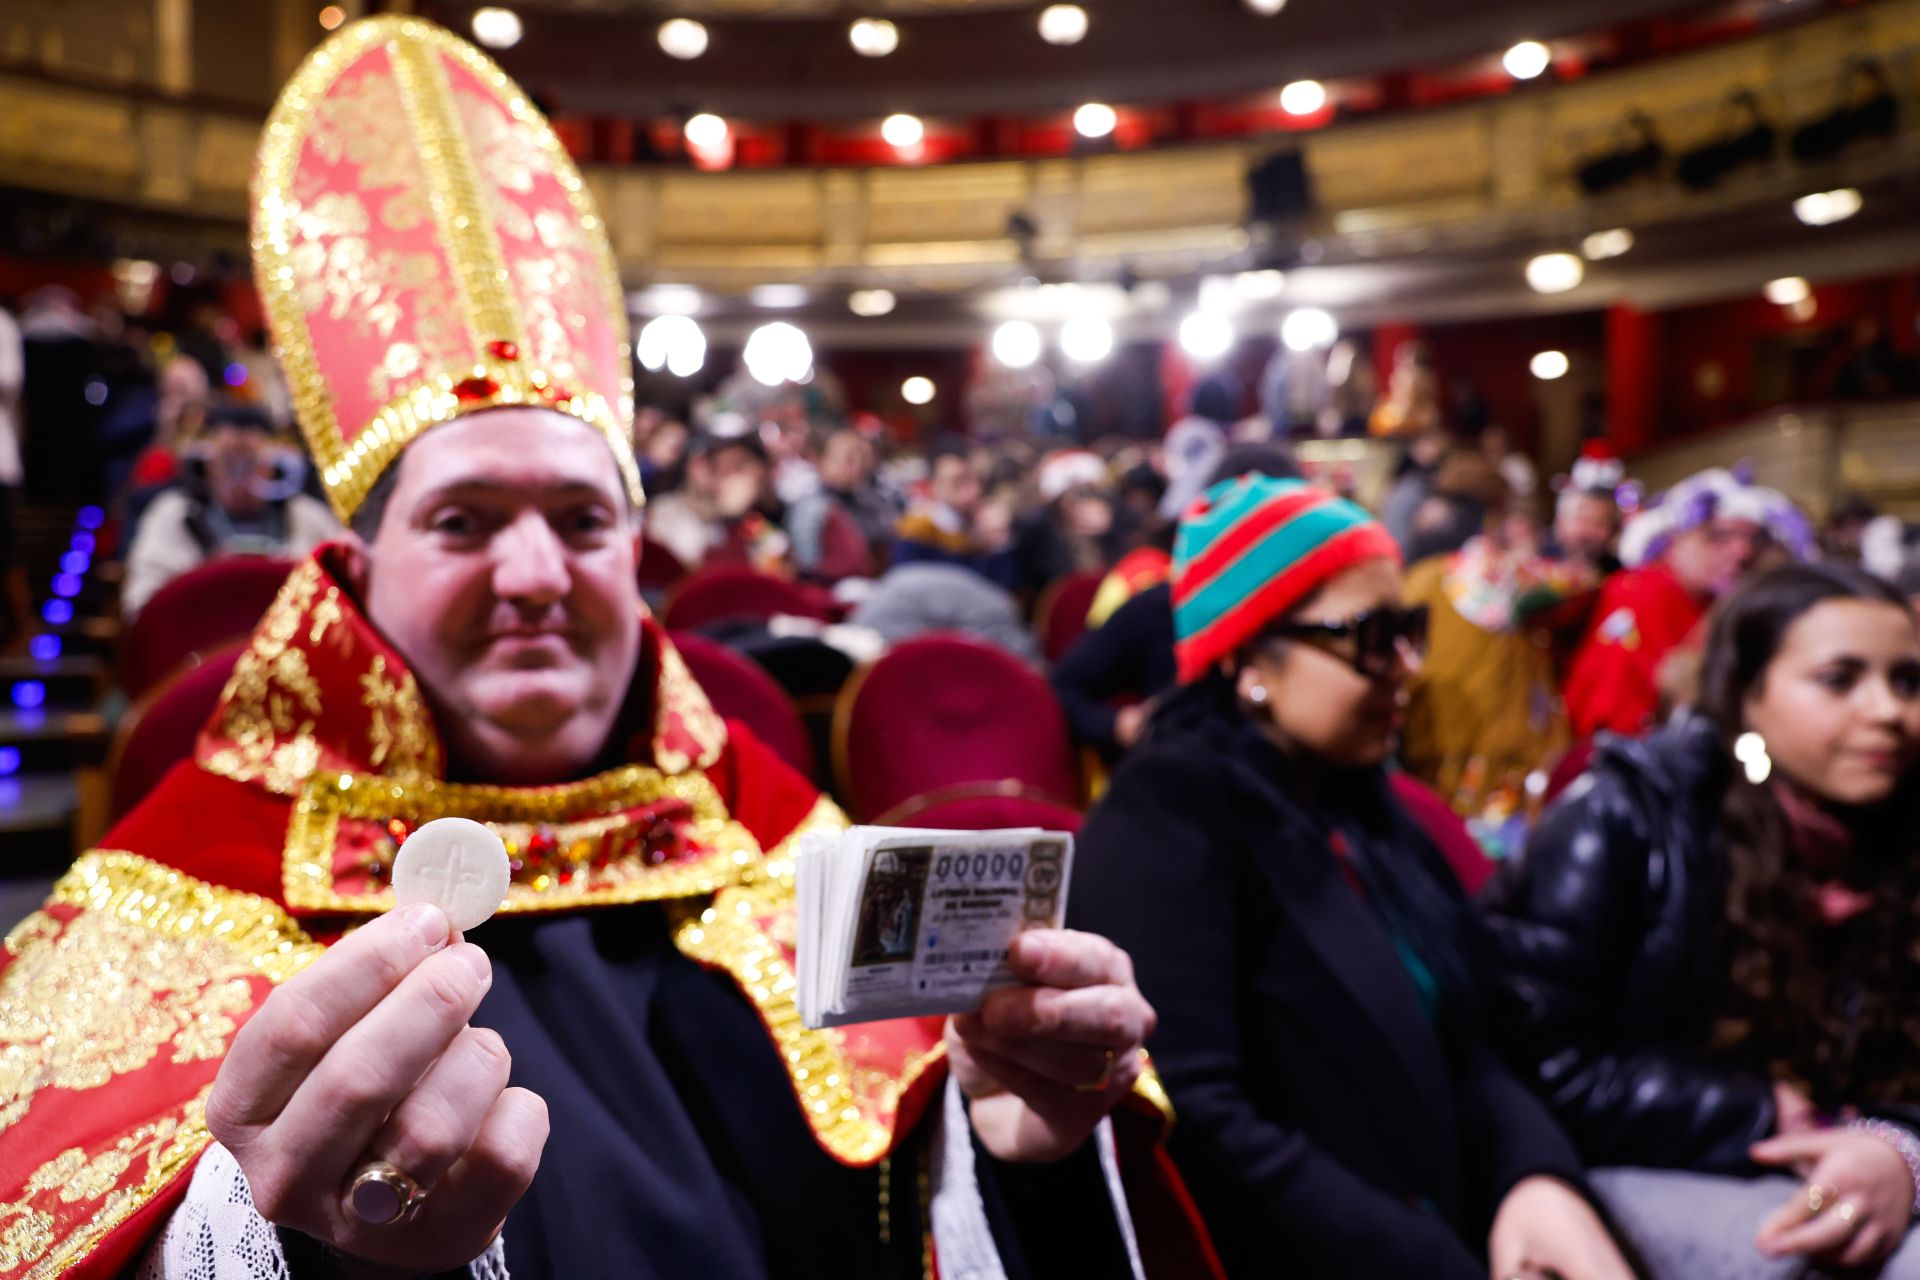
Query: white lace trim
[217,1234]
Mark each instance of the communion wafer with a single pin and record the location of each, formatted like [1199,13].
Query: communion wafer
[456,864]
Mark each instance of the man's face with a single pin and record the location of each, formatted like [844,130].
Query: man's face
[956,484]
[739,479]
[1711,559]
[503,573]
[236,465]
[1585,525]
[846,463]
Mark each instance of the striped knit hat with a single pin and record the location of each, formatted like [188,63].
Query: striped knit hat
[1249,550]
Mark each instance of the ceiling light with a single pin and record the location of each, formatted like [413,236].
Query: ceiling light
[1788,291]
[331,17]
[1206,335]
[1086,340]
[683,38]
[1308,329]
[1260,286]
[902,130]
[1823,208]
[496,28]
[917,390]
[874,37]
[1606,244]
[706,131]
[778,297]
[1527,59]
[674,343]
[1095,120]
[778,353]
[1063,24]
[870,302]
[1016,344]
[1218,295]
[1555,272]
[1266,8]
[1303,97]
[667,300]
[1548,365]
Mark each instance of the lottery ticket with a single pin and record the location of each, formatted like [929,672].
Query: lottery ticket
[897,922]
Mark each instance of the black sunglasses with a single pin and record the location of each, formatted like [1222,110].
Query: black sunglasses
[1375,636]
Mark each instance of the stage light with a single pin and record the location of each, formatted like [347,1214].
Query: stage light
[1303,97]
[917,390]
[903,131]
[1206,335]
[496,28]
[44,648]
[1606,244]
[1086,340]
[666,300]
[1308,329]
[1095,120]
[674,343]
[90,517]
[682,38]
[778,353]
[871,303]
[1260,286]
[57,613]
[9,761]
[1016,344]
[1063,24]
[29,695]
[1824,208]
[873,37]
[706,131]
[66,585]
[1266,8]
[1555,272]
[1788,291]
[75,561]
[778,297]
[331,17]
[82,542]
[1527,59]
[96,392]
[1548,365]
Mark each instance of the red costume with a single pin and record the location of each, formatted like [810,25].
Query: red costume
[1642,617]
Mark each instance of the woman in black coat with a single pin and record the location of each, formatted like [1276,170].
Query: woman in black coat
[1308,952]
[1711,954]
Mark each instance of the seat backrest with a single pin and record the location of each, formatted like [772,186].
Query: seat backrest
[943,710]
[159,730]
[1443,826]
[741,690]
[1061,615]
[984,806]
[730,594]
[196,612]
[659,567]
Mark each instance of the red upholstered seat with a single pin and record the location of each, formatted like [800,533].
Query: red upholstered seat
[1567,770]
[741,690]
[659,567]
[196,612]
[1061,615]
[159,730]
[732,594]
[943,710]
[1444,827]
[984,806]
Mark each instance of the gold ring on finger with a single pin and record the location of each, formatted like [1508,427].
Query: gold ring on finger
[1817,1196]
[1100,1082]
[1847,1211]
[381,1194]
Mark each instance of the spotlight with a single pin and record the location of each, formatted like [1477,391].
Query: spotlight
[90,517]
[1095,120]
[1788,291]
[666,300]
[870,302]
[1086,340]
[1824,208]
[1206,335]
[74,561]
[1260,286]
[1606,244]
[1548,365]
[1527,59]
[873,37]
[331,17]
[66,585]
[778,353]
[1063,24]
[1266,8]
[903,131]
[57,613]
[1308,329]
[682,38]
[1016,344]
[496,28]
[1303,97]
[674,343]
[44,648]
[9,761]
[29,695]
[706,131]
[778,297]
[917,390]
[1555,272]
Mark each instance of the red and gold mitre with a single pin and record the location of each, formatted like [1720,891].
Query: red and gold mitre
[426,249]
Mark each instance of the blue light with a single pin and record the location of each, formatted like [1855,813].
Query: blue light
[90,518]
[9,761]
[44,648]
[75,562]
[82,542]
[235,374]
[96,392]
[66,585]
[28,694]
[57,613]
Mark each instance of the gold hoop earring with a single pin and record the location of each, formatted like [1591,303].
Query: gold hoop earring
[1750,749]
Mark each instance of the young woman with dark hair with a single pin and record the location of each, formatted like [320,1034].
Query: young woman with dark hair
[1711,953]
[1311,958]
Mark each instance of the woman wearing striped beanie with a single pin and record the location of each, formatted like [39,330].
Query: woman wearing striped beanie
[1308,950]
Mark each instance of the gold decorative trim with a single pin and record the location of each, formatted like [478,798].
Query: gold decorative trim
[156,897]
[1149,1087]
[824,816]
[577,812]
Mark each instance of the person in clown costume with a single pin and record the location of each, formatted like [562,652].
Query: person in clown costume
[220,1055]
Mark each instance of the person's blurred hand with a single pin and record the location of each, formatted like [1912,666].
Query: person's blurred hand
[1863,1204]
[1546,1228]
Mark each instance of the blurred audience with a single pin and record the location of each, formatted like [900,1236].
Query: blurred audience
[955,524]
[841,528]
